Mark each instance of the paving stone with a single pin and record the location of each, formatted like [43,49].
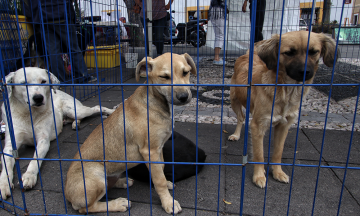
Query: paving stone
[219,110]
[336,145]
[304,150]
[351,180]
[207,189]
[277,194]
[225,113]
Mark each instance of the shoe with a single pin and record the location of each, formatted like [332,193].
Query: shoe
[92,79]
[89,79]
[220,62]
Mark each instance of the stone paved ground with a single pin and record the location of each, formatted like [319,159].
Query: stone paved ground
[218,190]
[314,106]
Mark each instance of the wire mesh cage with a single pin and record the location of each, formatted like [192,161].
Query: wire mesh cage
[201,107]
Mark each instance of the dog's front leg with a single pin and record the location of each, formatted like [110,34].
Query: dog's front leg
[159,180]
[281,131]
[6,177]
[170,185]
[257,138]
[29,178]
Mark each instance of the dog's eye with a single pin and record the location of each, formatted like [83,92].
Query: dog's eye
[290,53]
[313,52]
[165,77]
[43,82]
[185,73]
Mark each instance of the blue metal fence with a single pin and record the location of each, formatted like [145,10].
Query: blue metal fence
[105,59]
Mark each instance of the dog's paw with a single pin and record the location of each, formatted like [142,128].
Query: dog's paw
[116,205]
[29,180]
[168,206]
[121,183]
[259,181]
[170,185]
[121,204]
[107,111]
[74,125]
[281,176]
[234,138]
[5,188]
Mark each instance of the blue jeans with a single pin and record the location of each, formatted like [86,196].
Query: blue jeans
[158,32]
[56,35]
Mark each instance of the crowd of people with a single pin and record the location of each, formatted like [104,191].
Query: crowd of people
[57,21]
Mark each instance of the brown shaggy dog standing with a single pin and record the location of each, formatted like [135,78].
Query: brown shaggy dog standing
[287,100]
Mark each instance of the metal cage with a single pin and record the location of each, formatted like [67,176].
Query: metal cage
[322,147]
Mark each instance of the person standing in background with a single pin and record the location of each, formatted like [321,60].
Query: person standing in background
[217,18]
[260,15]
[158,20]
[55,14]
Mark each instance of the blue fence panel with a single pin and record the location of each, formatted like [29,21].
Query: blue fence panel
[97,51]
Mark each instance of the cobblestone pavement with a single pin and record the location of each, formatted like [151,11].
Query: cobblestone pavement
[313,110]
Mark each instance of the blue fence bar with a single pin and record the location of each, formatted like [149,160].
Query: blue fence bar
[99,48]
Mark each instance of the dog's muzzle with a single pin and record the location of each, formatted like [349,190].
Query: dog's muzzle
[296,72]
[182,97]
[38,99]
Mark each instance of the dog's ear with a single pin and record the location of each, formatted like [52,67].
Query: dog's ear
[267,50]
[328,47]
[9,79]
[141,67]
[54,80]
[190,61]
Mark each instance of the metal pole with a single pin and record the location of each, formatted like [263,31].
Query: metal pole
[313,11]
[149,24]
[186,16]
[227,36]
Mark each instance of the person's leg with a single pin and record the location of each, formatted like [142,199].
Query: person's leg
[218,25]
[53,47]
[158,26]
[78,66]
[216,42]
[167,29]
[146,36]
[217,52]
[260,15]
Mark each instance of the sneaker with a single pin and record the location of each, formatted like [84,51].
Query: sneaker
[220,62]
[92,79]
[89,79]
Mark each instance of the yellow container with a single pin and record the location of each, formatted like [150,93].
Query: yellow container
[107,56]
[9,29]
[25,27]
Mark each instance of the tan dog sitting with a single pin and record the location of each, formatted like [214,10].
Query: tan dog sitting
[137,146]
[287,100]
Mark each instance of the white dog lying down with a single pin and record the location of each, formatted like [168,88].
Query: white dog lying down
[43,120]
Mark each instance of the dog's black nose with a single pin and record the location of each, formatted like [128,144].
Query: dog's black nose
[308,74]
[38,98]
[182,96]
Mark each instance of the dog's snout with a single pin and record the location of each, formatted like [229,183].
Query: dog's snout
[38,98]
[302,72]
[182,97]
